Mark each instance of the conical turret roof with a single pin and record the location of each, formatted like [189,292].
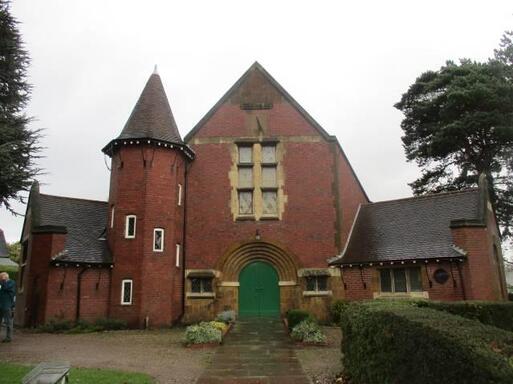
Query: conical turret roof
[151,117]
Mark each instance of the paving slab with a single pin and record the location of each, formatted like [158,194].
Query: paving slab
[256,351]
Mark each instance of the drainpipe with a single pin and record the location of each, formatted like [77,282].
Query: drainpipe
[79,283]
[184,235]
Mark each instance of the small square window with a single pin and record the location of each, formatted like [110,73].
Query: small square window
[317,283]
[269,177]
[126,292]
[245,202]
[201,285]
[270,199]
[245,155]
[158,240]
[269,154]
[130,225]
[245,177]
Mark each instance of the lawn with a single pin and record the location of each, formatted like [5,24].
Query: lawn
[13,373]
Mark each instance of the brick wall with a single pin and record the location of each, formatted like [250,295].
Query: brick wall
[62,293]
[144,182]
[451,290]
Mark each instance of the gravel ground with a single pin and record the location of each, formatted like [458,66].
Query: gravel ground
[157,353]
[323,364]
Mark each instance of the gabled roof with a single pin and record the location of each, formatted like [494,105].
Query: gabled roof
[257,67]
[411,228]
[84,221]
[151,117]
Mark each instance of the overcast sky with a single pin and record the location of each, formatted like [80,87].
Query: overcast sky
[346,63]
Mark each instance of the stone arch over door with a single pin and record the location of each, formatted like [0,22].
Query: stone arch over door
[235,259]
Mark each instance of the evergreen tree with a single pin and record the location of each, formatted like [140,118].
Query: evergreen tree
[18,144]
[459,123]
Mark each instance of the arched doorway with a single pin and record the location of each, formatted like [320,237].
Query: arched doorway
[259,293]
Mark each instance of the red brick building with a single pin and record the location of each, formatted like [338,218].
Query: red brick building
[256,210]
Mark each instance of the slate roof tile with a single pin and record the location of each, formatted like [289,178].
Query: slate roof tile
[85,221]
[406,229]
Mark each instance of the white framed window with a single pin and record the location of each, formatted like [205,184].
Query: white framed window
[130,224]
[158,240]
[112,217]
[126,292]
[179,194]
[178,251]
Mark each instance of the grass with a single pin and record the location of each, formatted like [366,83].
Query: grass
[13,373]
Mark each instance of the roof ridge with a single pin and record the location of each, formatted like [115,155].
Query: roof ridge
[74,198]
[433,195]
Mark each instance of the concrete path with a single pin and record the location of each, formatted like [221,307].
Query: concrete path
[256,351]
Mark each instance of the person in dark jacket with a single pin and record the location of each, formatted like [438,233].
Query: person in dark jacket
[7,300]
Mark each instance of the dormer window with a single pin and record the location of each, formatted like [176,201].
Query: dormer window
[130,224]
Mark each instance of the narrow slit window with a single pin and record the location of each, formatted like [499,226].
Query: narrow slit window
[130,225]
[126,292]
[158,240]
[112,217]
[178,252]
[179,194]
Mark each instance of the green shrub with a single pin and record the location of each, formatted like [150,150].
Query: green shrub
[401,343]
[81,326]
[56,326]
[498,314]
[295,316]
[203,333]
[336,309]
[308,332]
[108,324]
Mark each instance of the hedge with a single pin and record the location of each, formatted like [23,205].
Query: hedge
[498,314]
[401,343]
[296,316]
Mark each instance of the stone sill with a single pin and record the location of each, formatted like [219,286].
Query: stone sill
[206,295]
[401,295]
[317,293]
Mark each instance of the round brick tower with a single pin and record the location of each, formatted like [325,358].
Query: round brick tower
[146,213]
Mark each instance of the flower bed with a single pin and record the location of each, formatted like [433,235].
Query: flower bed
[303,328]
[206,334]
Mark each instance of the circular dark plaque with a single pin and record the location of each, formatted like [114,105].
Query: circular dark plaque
[441,276]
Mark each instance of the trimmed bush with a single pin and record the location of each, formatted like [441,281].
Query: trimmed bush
[295,316]
[203,333]
[336,309]
[401,343]
[308,332]
[498,314]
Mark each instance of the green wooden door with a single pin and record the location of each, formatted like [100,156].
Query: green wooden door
[259,293]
